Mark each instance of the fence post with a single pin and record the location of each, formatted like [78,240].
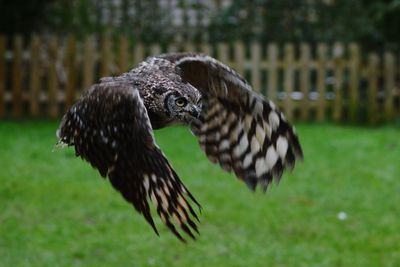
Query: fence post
[70,85]
[52,94]
[338,51]
[138,53]
[172,48]
[390,76]
[339,64]
[35,76]
[321,77]
[189,46]
[288,80]
[255,66]
[373,62]
[88,62]
[239,57]
[17,77]
[105,56]
[223,53]
[155,49]
[2,74]
[206,49]
[304,80]
[272,90]
[123,54]
[354,68]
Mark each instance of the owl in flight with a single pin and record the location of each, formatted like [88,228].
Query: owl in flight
[112,124]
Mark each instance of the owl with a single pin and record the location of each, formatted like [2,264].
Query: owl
[112,124]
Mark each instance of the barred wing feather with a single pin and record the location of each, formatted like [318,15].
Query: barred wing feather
[238,129]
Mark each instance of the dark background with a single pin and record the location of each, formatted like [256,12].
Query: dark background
[373,24]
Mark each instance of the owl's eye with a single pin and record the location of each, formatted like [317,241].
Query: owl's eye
[180,102]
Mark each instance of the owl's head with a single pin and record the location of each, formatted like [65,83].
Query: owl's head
[184,104]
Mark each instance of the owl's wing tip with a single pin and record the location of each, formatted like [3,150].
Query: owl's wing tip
[251,182]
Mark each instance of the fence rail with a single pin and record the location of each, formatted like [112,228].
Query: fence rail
[43,76]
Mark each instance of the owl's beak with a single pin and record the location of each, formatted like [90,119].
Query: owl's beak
[195,111]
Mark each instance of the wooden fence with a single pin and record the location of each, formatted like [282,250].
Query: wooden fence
[43,76]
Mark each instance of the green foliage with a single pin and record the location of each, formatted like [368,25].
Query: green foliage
[374,24]
[57,211]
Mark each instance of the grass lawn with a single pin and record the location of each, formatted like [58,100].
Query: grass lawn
[55,210]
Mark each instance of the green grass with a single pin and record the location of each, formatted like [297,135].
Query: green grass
[55,210]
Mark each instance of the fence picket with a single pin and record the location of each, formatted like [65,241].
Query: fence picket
[17,77]
[239,58]
[255,66]
[304,80]
[321,77]
[70,86]
[190,47]
[373,62]
[138,53]
[35,74]
[53,86]
[338,51]
[223,52]
[123,54]
[206,49]
[172,48]
[288,81]
[389,78]
[354,68]
[155,49]
[88,62]
[105,56]
[272,90]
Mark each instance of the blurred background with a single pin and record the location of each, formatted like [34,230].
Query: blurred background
[323,59]
[333,67]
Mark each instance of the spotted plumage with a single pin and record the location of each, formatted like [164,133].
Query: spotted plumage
[111,127]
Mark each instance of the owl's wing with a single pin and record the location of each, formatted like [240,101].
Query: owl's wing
[110,128]
[238,129]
